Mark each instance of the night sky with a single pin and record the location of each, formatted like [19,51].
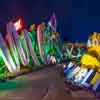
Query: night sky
[76,18]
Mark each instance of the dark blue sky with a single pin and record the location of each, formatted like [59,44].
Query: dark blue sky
[76,18]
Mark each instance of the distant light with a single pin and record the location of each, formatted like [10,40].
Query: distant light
[18,24]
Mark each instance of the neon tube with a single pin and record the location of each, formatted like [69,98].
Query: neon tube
[28,40]
[6,62]
[41,51]
[70,65]
[69,72]
[80,76]
[73,72]
[87,76]
[13,47]
[25,46]
[6,56]
[16,38]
